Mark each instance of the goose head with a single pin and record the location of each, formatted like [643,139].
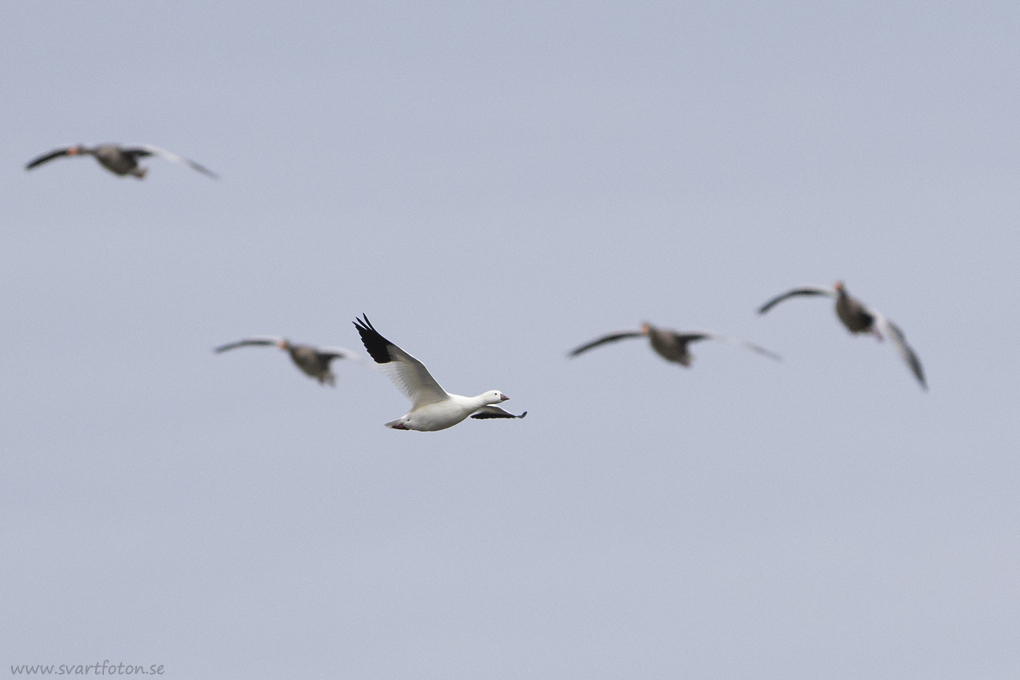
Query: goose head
[493,397]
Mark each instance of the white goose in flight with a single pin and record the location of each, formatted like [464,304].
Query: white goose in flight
[432,407]
[858,318]
[120,160]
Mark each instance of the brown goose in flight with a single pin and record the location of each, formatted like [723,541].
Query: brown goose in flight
[858,318]
[312,361]
[120,160]
[671,345]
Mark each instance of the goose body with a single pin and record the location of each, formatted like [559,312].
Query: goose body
[450,411]
[858,318]
[432,407]
[120,160]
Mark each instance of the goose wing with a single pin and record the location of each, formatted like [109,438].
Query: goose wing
[407,373]
[494,412]
[48,157]
[143,150]
[900,341]
[796,292]
[339,353]
[705,335]
[605,339]
[260,341]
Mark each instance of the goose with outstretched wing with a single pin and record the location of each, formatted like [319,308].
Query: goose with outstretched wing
[671,345]
[432,407]
[120,160]
[313,361]
[858,318]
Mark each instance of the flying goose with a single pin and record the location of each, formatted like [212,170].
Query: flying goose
[671,345]
[313,361]
[432,407]
[120,160]
[858,318]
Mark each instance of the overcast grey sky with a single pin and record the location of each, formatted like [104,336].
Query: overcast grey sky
[494,184]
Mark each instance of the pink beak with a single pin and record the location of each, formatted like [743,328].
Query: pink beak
[504,398]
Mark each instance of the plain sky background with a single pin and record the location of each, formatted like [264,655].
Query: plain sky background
[494,184]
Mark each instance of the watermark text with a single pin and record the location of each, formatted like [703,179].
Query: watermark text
[105,668]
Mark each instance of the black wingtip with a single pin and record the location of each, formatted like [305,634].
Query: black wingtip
[206,171]
[374,343]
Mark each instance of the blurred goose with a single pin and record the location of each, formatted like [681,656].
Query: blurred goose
[858,318]
[671,345]
[432,407]
[120,160]
[312,361]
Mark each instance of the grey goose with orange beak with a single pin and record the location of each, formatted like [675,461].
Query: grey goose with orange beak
[858,318]
[313,361]
[120,160]
[432,407]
